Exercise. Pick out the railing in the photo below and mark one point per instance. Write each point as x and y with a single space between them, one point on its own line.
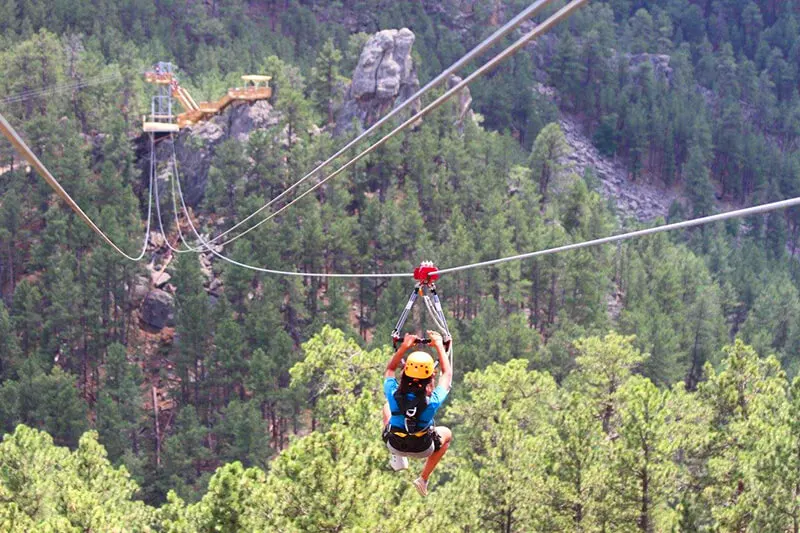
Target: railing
250 92
154 77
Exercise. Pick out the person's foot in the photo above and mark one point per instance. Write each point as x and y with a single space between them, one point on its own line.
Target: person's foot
398 462
422 486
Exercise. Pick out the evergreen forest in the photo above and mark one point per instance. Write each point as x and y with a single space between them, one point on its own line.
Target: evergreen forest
649 385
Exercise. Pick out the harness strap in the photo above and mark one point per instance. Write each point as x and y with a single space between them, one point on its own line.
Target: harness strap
404 435
404 315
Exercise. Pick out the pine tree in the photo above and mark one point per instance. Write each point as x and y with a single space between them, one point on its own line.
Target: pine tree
26 316
226 177
227 367
546 158
580 475
325 78
119 405
744 391
49 401
499 441
242 434
193 326
567 70
645 473
604 365
184 453
698 184
9 348
50 488
771 325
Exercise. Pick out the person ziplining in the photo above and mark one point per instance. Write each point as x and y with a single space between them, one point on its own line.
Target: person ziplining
411 404
409 429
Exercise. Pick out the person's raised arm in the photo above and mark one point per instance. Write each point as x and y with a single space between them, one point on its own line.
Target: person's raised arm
446 376
408 341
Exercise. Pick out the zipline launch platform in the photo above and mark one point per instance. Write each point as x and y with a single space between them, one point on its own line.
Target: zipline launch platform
162 119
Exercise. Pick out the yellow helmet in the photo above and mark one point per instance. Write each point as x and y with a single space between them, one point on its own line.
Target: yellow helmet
419 365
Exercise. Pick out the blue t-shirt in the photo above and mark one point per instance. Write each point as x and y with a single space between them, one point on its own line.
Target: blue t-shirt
425 420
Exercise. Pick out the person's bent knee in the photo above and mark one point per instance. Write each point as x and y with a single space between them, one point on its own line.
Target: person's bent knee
445 435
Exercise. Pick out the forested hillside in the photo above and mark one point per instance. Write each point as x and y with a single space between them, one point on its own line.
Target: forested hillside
644 386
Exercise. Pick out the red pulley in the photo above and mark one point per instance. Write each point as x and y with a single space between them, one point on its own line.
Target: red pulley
426 272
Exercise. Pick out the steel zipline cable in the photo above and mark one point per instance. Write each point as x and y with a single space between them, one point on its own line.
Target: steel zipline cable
154 181
738 213
210 247
563 13
60 88
25 151
507 28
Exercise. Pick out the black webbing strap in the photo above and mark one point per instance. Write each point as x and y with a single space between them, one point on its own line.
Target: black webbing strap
404 316
439 311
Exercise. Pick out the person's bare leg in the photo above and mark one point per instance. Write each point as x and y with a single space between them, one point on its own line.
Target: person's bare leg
387 413
446 436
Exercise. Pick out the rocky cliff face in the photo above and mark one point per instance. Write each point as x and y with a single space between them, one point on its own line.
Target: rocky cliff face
638 199
384 77
195 146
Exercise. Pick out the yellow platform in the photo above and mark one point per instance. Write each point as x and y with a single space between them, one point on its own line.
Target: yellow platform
159 79
159 127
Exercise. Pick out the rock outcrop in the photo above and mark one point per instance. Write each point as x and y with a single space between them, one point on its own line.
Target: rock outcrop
158 310
384 77
141 287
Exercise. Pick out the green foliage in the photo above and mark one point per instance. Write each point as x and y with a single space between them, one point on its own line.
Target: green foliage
335 367
50 488
715 115
119 410
324 79
226 177
527 455
48 401
549 149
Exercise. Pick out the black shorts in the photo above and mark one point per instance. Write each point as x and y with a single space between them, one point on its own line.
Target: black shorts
413 444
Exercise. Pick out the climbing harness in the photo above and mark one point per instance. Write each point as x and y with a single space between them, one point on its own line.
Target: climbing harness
418 436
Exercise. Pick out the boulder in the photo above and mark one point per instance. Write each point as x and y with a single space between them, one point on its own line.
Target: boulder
158 309
160 279
384 77
215 286
157 239
245 119
141 287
